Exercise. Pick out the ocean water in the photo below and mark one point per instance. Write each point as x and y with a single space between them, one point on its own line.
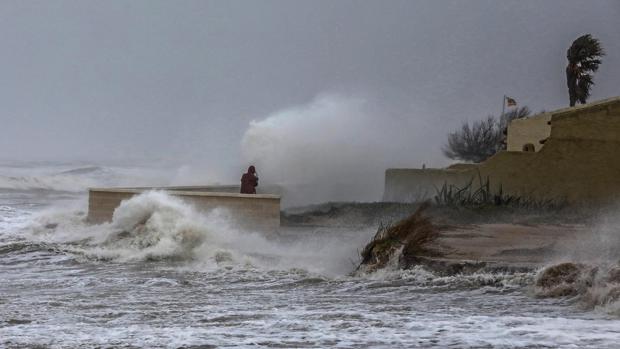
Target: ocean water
186 279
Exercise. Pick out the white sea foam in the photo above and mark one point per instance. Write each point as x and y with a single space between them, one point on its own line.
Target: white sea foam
588 268
154 226
245 289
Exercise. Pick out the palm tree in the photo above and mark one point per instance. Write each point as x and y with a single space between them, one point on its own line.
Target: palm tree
584 57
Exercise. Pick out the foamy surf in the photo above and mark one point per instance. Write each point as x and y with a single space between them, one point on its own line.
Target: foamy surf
590 286
162 275
76 179
156 226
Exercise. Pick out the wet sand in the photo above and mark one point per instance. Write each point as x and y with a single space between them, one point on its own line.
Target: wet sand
470 238
506 244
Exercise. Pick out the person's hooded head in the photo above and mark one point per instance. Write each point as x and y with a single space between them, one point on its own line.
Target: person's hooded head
252 169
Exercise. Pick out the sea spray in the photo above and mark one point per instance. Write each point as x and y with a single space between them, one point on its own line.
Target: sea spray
587 269
592 286
156 226
334 148
152 225
240 288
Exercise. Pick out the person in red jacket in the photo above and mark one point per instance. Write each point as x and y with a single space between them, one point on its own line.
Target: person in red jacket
249 181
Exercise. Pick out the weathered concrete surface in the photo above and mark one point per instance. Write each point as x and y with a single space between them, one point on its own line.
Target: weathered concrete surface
229 188
578 163
255 211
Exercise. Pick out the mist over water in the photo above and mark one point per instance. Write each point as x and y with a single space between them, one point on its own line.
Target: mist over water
587 268
601 245
335 148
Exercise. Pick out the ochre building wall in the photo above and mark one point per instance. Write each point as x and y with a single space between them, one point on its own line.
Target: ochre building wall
579 163
528 131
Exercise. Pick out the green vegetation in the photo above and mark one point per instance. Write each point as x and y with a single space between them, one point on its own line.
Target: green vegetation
480 195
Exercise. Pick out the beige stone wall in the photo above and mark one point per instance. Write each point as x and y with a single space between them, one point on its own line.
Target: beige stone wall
411 185
257 212
528 131
579 163
594 122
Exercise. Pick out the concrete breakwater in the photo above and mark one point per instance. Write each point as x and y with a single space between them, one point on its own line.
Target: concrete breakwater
251 211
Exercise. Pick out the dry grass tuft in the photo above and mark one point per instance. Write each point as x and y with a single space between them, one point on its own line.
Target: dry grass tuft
412 234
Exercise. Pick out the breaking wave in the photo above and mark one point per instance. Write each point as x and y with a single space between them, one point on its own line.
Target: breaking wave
78 179
154 226
150 226
588 270
73 180
55 183
591 286
422 276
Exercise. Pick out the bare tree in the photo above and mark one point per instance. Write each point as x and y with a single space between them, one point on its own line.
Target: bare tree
482 139
504 121
517 113
474 143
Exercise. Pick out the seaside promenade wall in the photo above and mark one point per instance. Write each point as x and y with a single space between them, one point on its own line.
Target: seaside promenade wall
579 163
251 211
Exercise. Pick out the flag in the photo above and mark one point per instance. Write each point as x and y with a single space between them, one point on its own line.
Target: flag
510 102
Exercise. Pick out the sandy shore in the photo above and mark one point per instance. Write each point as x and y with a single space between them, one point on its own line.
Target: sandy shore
508 244
496 237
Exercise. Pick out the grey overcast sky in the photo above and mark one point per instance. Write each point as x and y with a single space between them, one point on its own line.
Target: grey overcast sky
181 80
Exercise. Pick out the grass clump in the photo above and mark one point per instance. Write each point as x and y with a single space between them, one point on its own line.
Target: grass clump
481 195
408 237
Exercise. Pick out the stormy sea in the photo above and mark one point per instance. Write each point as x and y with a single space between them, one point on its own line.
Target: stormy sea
189 280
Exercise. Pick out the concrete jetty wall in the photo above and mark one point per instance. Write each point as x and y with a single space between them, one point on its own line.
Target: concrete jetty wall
255 211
